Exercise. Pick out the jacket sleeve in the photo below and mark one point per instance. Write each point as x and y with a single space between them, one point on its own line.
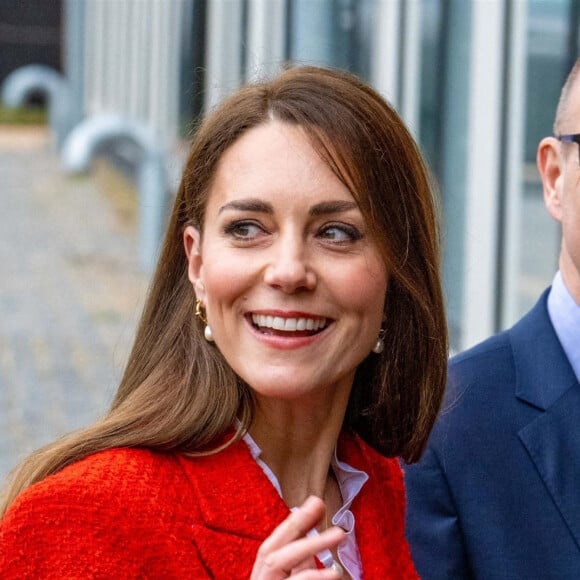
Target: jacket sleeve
47 535
433 527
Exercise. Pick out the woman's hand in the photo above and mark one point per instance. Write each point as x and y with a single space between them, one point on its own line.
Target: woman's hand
288 552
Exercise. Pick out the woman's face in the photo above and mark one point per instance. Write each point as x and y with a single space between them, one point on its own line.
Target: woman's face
293 284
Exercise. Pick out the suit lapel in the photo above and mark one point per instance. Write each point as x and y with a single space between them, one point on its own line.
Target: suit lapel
545 379
553 443
543 373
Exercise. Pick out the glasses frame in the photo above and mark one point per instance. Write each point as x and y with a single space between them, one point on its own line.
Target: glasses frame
572 138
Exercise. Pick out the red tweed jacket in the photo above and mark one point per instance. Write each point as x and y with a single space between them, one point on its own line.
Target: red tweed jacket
133 513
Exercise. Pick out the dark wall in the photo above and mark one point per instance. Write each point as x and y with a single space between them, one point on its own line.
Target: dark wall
30 33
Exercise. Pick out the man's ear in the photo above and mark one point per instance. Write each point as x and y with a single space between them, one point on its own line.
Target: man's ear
192 244
550 164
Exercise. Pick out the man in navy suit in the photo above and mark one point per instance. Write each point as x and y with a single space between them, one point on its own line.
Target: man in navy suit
497 492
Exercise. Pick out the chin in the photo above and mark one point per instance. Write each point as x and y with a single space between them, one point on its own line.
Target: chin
282 391
286 389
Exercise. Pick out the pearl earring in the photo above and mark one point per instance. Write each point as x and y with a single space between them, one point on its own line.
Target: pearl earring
380 344
200 313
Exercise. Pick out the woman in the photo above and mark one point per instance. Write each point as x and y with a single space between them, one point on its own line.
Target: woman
292 346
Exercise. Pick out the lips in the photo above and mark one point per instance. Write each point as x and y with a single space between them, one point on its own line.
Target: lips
288 326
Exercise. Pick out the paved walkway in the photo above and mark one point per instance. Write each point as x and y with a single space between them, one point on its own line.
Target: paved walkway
70 295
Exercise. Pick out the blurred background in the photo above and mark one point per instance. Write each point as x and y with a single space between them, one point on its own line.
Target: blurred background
98 98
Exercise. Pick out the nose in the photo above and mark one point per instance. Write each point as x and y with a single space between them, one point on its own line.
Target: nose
289 269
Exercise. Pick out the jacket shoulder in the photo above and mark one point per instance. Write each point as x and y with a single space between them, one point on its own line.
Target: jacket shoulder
494 357
496 348
481 372
480 392
94 517
104 482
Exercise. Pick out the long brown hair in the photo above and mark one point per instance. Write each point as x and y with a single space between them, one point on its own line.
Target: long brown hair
179 394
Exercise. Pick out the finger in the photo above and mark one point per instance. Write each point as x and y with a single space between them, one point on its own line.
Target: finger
325 574
300 553
295 525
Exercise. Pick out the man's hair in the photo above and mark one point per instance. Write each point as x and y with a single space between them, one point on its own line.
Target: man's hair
564 102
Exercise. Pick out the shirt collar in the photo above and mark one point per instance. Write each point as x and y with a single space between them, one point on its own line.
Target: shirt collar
350 480
565 317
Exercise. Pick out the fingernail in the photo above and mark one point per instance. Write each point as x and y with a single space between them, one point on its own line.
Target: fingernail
337 568
310 501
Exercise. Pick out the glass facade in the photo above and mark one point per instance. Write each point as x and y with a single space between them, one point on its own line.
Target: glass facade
476 81
547 63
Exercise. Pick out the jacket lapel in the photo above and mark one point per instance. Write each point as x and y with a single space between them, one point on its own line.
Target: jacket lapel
553 443
545 379
238 506
543 373
379 510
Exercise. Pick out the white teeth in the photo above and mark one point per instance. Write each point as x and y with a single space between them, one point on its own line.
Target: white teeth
288 324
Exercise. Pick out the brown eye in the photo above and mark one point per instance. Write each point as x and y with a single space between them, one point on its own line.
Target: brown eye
243 230
340 233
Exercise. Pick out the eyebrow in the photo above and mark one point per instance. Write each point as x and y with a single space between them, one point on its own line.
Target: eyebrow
257 205
330 207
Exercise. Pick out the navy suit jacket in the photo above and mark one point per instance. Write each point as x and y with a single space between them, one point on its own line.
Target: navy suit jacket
497 493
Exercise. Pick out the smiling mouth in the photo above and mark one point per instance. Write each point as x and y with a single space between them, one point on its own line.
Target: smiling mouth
290 327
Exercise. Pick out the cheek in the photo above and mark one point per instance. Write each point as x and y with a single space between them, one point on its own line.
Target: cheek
364 289
570 209
225 278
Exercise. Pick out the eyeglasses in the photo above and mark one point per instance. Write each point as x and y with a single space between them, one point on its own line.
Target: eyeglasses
574 138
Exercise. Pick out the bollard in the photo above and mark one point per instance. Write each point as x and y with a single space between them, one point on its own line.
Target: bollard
22 82
93 136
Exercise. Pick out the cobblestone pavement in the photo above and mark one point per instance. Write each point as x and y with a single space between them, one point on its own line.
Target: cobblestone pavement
70 295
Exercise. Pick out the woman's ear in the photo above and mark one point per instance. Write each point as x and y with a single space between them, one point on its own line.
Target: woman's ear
550 166
192 244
